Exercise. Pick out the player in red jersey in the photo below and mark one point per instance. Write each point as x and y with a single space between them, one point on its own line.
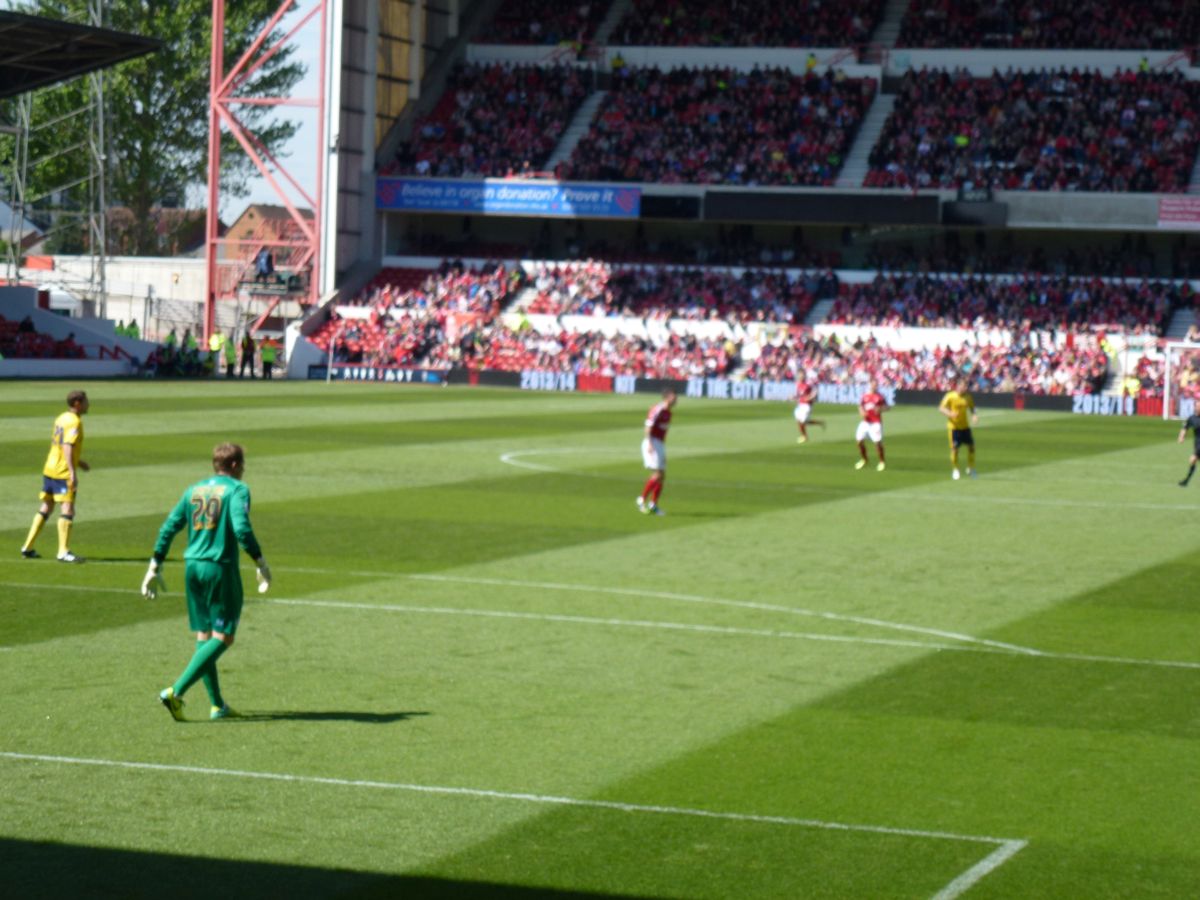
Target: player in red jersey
654 453
805 395
871 407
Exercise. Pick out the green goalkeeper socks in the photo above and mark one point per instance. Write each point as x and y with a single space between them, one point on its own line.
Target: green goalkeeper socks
212 683
207 653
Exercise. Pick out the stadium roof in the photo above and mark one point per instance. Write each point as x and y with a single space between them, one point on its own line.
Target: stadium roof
36 52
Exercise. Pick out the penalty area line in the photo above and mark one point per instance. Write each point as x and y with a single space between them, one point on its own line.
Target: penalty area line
1006 848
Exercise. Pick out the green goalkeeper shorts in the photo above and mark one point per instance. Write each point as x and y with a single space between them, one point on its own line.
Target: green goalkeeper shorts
214 596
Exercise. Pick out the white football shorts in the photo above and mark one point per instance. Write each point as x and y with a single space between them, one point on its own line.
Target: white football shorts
654 453
872 430
803 411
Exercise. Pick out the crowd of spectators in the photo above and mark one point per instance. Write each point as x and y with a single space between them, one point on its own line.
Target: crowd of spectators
748 23
677 356
545 22
597 288
22 340
1021 303
450 317
571 287
493 120
719 126
1185 375
1077 368
1044 130
1148 377
1066 24
414 313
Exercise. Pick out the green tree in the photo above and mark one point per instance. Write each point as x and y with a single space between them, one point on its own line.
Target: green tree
157 109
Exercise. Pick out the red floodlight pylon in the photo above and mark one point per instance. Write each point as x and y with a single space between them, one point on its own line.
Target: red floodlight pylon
303 246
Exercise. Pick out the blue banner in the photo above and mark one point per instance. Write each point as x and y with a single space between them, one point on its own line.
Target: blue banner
502 197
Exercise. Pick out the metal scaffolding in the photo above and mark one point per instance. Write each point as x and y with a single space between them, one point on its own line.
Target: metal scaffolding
227 261
79 203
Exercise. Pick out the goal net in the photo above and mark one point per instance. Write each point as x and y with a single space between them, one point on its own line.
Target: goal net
1180 364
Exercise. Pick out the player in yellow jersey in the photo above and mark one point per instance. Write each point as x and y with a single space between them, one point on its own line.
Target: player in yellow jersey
958 406
60 478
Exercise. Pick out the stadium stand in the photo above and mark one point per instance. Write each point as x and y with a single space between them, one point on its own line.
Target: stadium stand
596 288
1185 378
1062 24
719 126
1019 367
544 22
748 23
413 313
1022 302
20 340
1028 315
1128 259
1035 334
733 246
493 120
677 356
1062 130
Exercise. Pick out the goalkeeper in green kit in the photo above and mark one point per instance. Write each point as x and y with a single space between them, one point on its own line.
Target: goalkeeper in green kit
216 513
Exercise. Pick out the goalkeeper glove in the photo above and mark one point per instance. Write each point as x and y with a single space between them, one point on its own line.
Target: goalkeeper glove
262 575
153 582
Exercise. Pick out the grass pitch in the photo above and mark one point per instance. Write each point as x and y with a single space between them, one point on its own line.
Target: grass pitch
480 673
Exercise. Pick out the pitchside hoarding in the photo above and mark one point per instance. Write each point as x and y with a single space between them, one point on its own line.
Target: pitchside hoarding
725 389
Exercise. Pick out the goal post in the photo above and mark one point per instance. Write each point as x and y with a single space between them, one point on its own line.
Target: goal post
1180 379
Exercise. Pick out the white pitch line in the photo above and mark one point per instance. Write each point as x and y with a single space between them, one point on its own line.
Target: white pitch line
1002 650
1006 847
739 604
512 458
616 623
977 872
662 595
730 630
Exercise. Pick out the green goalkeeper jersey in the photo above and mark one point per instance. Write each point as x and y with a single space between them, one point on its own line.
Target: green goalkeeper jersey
216 513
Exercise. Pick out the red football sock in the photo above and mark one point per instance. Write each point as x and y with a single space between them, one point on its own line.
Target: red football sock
862 449
657 491
650 482
879 447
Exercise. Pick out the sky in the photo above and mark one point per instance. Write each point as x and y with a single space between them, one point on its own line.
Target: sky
300 155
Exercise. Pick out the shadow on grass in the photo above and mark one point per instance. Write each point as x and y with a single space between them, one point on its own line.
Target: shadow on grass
368 718
143 558
50 871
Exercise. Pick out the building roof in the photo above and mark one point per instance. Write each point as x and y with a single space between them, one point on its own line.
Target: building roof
36 52
6 222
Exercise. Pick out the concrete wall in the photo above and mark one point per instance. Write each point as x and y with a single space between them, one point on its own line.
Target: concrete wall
984 62
63 368
1030 209
898 61
739 58
176 278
